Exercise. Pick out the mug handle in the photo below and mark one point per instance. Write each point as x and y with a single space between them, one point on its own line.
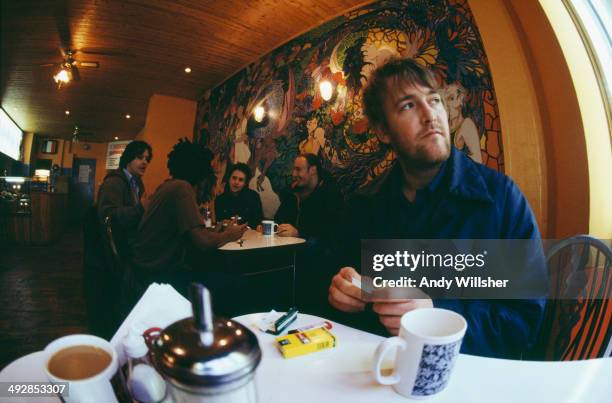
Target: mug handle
381 350
274 228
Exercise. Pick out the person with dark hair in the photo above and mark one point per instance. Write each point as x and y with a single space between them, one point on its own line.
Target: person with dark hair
238 199
172 223
435 191
121 194
121 198
312 210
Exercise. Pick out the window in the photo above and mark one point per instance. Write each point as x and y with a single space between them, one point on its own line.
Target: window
10 136
594 21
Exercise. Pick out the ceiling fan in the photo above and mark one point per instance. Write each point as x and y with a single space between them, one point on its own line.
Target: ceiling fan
68 68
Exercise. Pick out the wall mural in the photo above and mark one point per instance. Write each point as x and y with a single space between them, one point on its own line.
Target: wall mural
439 34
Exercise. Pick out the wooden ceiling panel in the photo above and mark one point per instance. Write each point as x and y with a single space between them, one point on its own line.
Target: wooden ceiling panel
142 47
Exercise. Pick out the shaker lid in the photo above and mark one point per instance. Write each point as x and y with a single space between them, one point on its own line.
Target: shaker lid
198 351
134 344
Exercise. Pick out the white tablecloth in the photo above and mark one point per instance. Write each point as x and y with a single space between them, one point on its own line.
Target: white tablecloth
343 374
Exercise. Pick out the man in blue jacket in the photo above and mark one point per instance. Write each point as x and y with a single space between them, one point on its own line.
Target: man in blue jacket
435 191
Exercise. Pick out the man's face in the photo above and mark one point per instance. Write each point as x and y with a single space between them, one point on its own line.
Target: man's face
237 181
302 175
417 124
138 165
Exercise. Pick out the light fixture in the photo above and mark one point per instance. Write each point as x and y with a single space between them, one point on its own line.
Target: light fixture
259 113
43 173
64 75
326 90
128 116
187 69
67 112
75 135
116 138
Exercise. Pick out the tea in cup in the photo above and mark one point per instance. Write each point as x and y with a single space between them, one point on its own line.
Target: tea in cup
87 363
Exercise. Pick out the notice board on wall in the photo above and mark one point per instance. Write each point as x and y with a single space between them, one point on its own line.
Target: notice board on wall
113 153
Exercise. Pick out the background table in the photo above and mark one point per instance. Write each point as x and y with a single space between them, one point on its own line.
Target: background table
267 266
256 240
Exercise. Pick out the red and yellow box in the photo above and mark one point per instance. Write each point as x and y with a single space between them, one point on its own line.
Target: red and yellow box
306 342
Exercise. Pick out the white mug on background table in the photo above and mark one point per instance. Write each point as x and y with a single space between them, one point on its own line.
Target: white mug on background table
269 227
427 346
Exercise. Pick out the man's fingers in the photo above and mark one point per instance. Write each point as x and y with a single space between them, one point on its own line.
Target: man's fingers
390 321
389 300
346 286
393 308
349 273
344 302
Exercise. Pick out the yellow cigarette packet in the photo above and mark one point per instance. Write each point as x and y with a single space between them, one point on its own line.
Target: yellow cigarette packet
306 342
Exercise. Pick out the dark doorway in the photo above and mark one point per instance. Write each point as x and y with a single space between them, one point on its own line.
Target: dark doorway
42 163
82 186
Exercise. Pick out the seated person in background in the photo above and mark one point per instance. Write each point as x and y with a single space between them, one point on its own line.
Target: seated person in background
238 199
121 195
435 191
172 223
312 211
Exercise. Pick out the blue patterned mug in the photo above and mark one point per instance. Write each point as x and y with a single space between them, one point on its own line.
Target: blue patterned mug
427 346
269 227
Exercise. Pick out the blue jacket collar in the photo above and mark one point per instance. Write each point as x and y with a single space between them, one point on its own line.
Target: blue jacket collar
459 176
466 180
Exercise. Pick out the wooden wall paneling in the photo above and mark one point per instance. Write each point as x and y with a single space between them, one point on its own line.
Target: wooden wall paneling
145 45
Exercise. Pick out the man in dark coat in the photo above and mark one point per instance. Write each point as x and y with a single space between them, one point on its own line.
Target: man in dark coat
120 197
121 194
312 211
434 191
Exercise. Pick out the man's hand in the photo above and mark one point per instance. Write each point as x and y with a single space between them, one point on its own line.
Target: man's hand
390 311
343 295
234 232
259 228
287 230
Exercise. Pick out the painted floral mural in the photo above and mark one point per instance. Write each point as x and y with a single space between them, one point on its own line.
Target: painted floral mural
439 34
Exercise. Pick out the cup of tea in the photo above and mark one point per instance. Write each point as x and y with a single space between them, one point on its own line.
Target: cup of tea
87 363
426 348
269 227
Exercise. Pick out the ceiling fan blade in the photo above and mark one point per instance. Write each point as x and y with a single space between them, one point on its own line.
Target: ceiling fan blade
88 65
106 52
23 65
62 23
76 76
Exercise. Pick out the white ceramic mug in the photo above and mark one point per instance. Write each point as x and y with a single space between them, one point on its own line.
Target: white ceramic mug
97 388
427 346
269 227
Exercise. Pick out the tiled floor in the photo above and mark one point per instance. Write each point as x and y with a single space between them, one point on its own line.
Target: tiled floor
41 295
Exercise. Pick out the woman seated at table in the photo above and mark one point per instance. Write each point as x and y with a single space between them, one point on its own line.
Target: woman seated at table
238 199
